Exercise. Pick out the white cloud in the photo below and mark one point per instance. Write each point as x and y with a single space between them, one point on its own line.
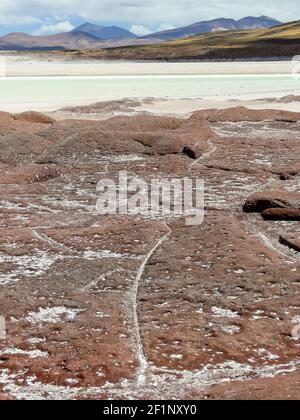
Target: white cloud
140 30
145 13
56 28
165 27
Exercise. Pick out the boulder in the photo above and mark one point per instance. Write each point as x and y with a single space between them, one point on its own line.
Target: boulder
262 201
190 140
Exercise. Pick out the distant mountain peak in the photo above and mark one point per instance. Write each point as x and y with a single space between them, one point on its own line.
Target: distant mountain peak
104 32
87 25
267 17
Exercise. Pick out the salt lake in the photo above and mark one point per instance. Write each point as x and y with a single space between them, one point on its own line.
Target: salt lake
49 93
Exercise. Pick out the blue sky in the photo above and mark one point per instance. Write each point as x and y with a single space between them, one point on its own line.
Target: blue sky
141 16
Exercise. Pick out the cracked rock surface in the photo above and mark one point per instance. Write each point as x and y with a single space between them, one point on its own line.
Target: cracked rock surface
125 307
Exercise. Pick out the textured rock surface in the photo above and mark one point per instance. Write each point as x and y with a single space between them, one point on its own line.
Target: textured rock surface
141 307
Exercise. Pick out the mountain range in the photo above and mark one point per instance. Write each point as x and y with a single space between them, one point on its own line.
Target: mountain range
279 42
215 25
91 36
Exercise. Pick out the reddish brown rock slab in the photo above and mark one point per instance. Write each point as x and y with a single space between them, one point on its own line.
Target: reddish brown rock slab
5 397
34 117
271 199
258 147
288 99
142 123
137 124
90 141
221 299
106 137
19 148
191 140
6 116
30 173
8 125
86 297
291 240
280 388
124 105
245 114
288 214
77 326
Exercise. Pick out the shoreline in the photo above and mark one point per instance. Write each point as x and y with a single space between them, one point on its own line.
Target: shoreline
172 107
178 108
33 66
146 76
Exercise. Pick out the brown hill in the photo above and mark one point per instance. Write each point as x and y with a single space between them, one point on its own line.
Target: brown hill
64 41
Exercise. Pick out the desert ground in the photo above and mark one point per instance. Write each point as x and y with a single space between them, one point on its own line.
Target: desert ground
146 307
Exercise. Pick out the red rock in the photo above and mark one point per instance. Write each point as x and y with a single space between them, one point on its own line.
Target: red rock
190 140
5 116
11 126
34 117
240 114
92 141
30 174
291 240
289 214
270 389
21 147
124 105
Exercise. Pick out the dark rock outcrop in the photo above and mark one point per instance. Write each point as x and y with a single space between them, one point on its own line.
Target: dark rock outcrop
271 199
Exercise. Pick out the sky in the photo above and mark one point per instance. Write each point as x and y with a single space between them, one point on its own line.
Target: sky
42 17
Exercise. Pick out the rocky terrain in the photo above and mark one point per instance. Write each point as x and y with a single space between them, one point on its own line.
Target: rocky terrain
125 307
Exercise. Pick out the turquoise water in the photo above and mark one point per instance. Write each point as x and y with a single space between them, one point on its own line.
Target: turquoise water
91 89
